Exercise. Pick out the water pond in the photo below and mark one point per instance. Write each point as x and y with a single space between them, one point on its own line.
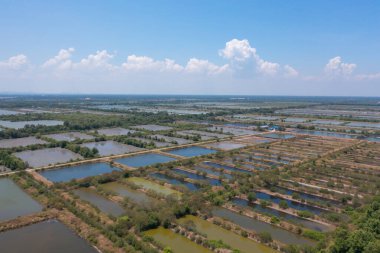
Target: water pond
226 145
20 142
215 232
278 136
105 205
22 124
114 131
153 127
144 160
14 202
191 151
66 174
149 185
211 181
174 181
47 156
44 237
107 148
176 242
225 167
277 233
71 136
124 191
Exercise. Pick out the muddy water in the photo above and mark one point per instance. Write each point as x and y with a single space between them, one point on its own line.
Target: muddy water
149 185
124 191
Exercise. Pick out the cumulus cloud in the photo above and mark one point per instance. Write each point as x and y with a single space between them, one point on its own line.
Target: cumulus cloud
336 67
98 60
144 63
195 65
61 60
14 62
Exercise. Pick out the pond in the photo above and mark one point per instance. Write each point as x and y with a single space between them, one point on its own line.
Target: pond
225 167
149 185
288 217
215 232
44 237
171 140
211 181
257 226
47 156
115 131
176 242
124 191
153 127
295 120
174 181
107 148
278 136
14 202
71 136
364 124
20 142
226 145
22 124
212 172
8 112
144 160
191 151
328 122
323 133
105 205
65 174
291 204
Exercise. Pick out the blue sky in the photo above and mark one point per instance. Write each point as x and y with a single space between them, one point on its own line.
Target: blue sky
214 47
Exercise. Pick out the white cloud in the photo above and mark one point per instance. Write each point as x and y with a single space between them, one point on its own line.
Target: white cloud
195 65
98 60
335 67
144 63
238 50
289 71
14 62
61 60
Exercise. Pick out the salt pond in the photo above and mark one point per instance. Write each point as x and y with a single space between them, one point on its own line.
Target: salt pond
144 160
44 237
65 174
15 202
47 156
191 151
20 142
107 148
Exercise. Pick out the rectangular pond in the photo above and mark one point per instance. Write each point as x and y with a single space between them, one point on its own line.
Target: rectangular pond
44 237
191 151
153 127
14 202
107 148
22 124
65 174
212 172
20 142
105 205
324 133
278 136
47 156
288 217
177 243
225 167
174 181
144 160
257 226
215 232
71 136
115 131
149 185
211 181
124 191
226 145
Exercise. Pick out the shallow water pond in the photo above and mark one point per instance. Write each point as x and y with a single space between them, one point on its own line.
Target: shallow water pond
149 185
124 191
144 160
15 202
22 124
65 174
20 142
192 151
44 237
107 148
47 156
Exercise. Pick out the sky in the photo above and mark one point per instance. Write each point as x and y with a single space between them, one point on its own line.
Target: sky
245 47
